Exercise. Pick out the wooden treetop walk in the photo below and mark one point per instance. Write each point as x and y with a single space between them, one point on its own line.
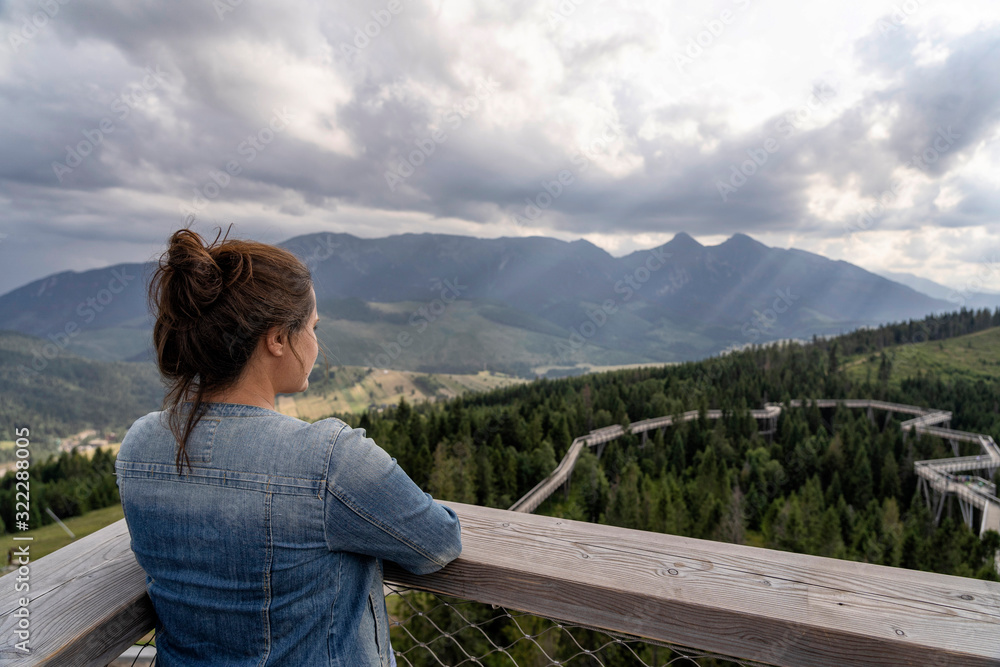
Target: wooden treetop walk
936 475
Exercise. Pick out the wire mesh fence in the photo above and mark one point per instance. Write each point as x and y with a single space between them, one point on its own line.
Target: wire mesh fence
430 630
140 654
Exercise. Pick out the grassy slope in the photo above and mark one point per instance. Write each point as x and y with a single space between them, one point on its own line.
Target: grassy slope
353 389
51 537
972 356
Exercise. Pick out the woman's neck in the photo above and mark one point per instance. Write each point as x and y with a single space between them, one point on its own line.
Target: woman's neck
241 396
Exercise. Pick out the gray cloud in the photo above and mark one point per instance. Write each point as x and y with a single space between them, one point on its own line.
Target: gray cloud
401 86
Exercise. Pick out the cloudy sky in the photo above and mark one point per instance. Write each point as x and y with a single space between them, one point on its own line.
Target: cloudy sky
863 130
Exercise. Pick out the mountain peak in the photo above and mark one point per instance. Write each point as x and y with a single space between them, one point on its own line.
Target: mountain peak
742 240
741 244
684 241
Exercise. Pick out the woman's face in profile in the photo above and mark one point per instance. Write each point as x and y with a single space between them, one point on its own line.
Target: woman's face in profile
307 345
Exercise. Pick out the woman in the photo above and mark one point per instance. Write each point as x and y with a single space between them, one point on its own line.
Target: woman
262 536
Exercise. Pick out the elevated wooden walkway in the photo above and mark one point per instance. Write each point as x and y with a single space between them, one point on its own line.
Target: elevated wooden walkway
937 478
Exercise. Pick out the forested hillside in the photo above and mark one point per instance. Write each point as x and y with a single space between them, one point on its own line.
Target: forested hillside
829 484
57 393
69 484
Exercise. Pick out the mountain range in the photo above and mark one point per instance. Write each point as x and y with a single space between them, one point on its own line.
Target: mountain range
958 297
509 303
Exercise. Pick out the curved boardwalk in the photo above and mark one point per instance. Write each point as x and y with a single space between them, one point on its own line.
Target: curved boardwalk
938 478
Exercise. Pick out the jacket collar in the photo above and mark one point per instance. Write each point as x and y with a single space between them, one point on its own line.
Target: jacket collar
229 409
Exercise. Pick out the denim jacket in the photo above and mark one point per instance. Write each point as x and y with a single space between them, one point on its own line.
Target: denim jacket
269 552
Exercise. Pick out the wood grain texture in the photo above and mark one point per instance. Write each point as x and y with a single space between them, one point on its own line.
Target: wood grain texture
774 607
88 600
87 603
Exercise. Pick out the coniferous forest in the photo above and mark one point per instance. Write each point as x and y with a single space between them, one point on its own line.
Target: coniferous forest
828 482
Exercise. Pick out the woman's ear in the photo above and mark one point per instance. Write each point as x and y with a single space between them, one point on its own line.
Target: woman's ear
275 341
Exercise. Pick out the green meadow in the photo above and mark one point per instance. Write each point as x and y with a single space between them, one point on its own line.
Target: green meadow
970 357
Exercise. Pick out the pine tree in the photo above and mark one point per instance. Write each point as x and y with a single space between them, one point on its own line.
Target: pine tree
625 501
678 463
890 485
860 477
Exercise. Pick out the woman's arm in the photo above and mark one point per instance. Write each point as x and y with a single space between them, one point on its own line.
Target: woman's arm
374 508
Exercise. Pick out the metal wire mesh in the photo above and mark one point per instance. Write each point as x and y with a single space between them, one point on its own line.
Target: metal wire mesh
140 654
430 630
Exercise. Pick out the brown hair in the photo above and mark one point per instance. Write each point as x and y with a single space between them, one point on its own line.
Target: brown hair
212 305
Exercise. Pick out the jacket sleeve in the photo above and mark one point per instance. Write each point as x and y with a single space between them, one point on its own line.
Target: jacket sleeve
373 507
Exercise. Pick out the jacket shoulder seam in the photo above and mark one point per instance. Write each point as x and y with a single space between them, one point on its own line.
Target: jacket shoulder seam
326 475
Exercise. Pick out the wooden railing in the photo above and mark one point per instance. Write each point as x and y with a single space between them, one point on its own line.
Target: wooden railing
87 602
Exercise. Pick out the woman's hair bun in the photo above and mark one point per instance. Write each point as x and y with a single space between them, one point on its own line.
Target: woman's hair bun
234 261
195 278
